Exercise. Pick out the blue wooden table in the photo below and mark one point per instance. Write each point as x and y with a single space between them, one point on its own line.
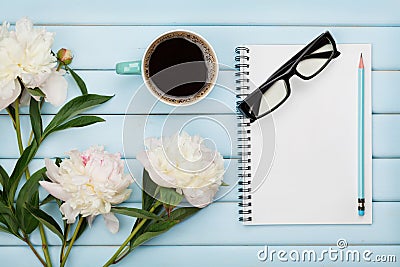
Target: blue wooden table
102 33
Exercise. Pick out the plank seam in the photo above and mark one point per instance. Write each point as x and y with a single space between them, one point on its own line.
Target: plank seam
210 24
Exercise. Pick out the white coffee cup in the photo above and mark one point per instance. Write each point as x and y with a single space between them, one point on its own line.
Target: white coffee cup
178 67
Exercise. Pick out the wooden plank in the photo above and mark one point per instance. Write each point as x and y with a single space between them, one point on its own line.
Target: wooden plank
178 12
386 92
135 168
124 43
386 181
218 224
223 241
122 133
200 256
385 135
132 98
386 129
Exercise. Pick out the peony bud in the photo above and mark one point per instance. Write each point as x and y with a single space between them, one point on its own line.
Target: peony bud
65 56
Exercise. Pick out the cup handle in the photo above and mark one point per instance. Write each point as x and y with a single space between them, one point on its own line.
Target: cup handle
130 67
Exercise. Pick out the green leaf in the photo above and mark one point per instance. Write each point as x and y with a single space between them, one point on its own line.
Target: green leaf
145 225
152 231
170 197
10 221
78 81
29 194
36 92
5 229
81 121
4 178
46 220
31 186
30 223
36 119
73 108
224 184
143 238
11 111
161 226
183 213
137 213
47 199
9 225
148 192
4 209
19 169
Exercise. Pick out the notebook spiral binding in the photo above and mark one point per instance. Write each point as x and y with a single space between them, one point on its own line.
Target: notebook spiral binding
244 135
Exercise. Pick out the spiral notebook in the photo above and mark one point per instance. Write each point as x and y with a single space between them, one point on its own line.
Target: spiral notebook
299 164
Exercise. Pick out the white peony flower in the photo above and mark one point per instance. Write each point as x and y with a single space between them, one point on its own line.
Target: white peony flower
4 30
33 50
89 183
183 162
55 87
9 86
26 53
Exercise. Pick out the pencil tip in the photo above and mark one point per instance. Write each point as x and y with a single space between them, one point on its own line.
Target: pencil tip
361 64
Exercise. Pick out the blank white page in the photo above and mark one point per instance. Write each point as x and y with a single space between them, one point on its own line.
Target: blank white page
313 176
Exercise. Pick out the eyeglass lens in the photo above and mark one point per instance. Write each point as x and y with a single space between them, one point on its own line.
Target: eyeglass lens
272 97
315 60
267 99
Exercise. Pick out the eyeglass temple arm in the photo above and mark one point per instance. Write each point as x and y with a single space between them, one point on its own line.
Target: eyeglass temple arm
316 43
295 57
326 54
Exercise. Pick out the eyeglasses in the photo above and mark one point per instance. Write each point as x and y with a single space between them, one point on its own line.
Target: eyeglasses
306 64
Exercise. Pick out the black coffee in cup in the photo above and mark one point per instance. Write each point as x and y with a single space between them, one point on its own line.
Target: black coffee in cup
180 67
167 57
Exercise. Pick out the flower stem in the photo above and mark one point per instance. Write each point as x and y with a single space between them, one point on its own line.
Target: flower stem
18 127
113 259
123 254
27 241
19 136
64 260
45 248
27 174
64 243
59 66
116 254
30 138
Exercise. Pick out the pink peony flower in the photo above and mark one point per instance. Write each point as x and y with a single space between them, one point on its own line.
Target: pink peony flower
89 183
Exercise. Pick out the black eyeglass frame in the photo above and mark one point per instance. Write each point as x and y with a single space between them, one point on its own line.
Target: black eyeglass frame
287 70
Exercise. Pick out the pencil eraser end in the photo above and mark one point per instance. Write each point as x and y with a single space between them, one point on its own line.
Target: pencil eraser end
361 212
